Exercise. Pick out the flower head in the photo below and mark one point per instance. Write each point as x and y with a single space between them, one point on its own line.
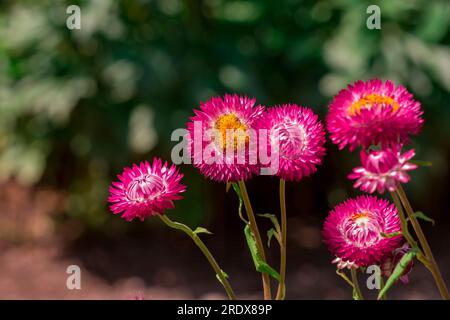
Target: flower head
355 231
373 112
145 190
382 169
220 136
297 137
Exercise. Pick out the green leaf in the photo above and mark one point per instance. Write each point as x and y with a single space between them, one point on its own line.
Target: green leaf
390 235
260 265
422 163
202 230
270 234
398 271
237 190
241 200
274 220
423 216
263 267
228 186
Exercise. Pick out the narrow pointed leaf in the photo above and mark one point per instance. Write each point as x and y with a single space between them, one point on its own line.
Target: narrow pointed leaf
423 216
422 163
202 230
398 271
241 200
272 218
390 235
260 265
270 234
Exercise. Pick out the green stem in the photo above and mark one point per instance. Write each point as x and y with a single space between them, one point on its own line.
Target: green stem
282 284
404 224
405 231
254 228
384 297
220 274
433 267
356 284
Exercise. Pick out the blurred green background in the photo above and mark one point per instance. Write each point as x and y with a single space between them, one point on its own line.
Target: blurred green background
78 105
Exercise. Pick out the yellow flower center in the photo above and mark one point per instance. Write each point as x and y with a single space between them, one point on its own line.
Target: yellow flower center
238 130
360 218
370 101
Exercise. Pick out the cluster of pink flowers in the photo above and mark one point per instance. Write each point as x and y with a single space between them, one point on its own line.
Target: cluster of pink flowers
295 138
378 117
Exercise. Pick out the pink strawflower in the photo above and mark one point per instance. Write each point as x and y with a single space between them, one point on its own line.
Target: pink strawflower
145 190
373 112
212 155
354 230
382 169
300 140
